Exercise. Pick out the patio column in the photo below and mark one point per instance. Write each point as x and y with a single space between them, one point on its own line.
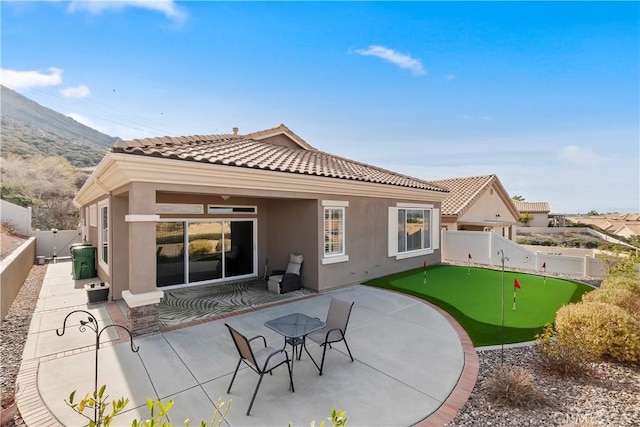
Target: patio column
142 297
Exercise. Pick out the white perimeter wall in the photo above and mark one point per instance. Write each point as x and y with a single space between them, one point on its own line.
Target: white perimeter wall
17 216
485 248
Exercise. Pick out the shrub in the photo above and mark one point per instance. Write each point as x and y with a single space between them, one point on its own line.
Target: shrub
622 281
561 354
200 247
513 386
620 263
618 296
601 329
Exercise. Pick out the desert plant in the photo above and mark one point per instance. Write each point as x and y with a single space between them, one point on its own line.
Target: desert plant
159 418
513 386
200 247
622 281
338 418
98 402
620 263
561 354
106 411
603 330
618 296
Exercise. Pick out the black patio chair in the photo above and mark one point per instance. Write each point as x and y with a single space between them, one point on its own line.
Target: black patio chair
281 281
262 361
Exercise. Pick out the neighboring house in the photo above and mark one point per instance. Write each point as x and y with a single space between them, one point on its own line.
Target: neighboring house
539 211
628 230
623 225
172 212
478 203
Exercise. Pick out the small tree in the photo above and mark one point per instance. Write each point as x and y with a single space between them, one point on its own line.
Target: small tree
525 219
518 198
48 184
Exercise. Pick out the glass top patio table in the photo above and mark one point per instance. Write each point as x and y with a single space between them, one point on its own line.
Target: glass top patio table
296 325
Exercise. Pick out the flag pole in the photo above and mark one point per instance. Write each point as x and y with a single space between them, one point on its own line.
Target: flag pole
502 257
425 272
514 298
469 265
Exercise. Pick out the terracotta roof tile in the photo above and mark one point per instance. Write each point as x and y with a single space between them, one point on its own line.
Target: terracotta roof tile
240 151
463 192
540 207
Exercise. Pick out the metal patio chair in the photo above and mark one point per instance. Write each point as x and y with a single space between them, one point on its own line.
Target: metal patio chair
335 329
262 361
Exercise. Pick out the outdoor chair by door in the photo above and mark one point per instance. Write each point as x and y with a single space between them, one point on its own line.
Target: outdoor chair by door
262 361
281 281
335 329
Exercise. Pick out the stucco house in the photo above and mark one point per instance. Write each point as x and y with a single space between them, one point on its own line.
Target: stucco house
478 203
172 212
538 210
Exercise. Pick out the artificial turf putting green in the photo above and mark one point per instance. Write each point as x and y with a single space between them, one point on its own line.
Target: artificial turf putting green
473 297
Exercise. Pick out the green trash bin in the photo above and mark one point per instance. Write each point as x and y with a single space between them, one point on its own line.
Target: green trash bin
83 262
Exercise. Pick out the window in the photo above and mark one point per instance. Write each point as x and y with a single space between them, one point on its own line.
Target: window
334 231
103 233
413 230
206 251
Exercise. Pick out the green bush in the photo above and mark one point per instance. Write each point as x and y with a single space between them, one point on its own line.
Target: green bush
562 354
601 329
618 296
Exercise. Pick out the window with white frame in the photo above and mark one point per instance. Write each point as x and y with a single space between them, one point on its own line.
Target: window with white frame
334 231
103 233
414 230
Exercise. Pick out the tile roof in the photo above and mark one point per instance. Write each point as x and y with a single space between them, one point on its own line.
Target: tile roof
535 207
245 151
463 192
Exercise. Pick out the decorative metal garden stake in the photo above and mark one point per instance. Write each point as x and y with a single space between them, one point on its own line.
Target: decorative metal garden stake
502 258
92 324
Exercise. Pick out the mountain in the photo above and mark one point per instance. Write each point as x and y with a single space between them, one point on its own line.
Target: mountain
30 129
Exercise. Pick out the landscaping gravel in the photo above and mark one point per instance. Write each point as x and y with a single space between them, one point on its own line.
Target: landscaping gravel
609 397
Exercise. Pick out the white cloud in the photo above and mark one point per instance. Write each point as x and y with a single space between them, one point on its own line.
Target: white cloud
578 155
390 55
81 91
26 79
95 7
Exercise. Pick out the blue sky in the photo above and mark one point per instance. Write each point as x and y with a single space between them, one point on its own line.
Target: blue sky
546 95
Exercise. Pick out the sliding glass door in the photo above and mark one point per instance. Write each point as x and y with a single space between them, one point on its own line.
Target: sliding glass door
216 250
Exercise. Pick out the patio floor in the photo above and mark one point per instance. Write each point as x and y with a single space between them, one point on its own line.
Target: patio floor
413 365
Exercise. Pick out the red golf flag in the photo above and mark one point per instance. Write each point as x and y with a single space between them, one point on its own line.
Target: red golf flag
516 284
469 256
544 265
425 264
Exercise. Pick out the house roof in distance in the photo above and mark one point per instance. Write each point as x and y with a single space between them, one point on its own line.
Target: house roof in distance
463 192
532 207
266 150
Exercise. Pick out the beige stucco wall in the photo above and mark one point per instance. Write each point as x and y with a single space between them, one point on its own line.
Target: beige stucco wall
366 229
287 222
292 228
487 206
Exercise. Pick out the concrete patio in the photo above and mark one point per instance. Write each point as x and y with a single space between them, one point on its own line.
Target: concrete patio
413 363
